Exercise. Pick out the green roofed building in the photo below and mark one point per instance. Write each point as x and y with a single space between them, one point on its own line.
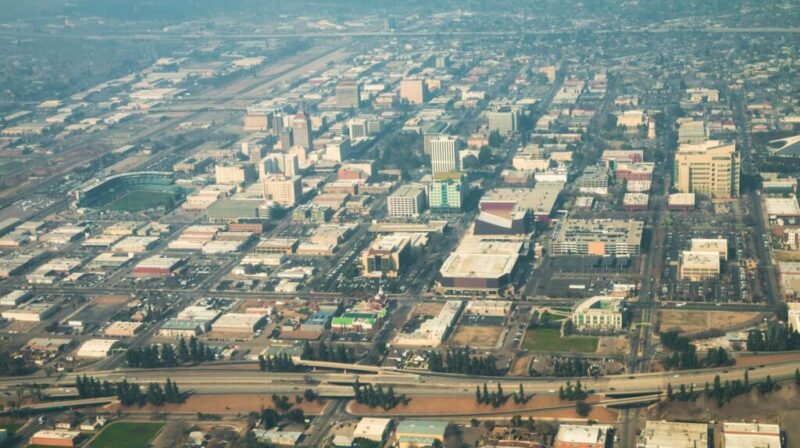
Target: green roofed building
418 433
358 322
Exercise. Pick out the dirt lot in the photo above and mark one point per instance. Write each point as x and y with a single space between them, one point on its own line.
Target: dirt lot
476 336
228 404
695 321
753 406
111 300
520 367
755 360
427 309
538 406
610 346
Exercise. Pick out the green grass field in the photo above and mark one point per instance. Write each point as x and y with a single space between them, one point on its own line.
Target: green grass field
126 435
11 427
549 340
136 201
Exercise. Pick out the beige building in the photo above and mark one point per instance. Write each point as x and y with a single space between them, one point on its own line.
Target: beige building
283 190
408 201
664 434
698 266
598 314
709 168
235 174
719 245
413 90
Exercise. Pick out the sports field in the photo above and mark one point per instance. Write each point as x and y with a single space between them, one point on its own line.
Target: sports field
126 435
550 340
136 201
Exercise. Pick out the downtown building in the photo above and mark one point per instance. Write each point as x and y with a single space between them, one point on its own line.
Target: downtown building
710 168
446 193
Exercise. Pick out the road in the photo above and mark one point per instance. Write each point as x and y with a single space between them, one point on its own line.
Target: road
246 378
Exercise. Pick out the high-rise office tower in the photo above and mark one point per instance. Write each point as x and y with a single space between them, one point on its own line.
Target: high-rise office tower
301 124
287 139
710 168
414 91
444 154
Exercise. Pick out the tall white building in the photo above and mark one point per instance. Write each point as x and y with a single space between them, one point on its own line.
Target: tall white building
444 154
408 201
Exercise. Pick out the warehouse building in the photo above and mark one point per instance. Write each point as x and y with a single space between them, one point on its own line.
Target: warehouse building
31 312
583 436
16 297
54 437
419 433
238 323
375 429
749 435
122 329
97 348
664 434
157 266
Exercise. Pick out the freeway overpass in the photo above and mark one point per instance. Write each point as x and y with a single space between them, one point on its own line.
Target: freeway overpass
216 379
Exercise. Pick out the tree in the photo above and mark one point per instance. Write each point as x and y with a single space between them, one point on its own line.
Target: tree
583 408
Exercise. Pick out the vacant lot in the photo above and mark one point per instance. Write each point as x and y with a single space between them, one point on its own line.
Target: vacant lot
475 336
233 403
549 340
427 309
693 321
126 435
111 300
544 406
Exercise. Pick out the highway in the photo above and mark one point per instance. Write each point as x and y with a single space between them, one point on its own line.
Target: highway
245 378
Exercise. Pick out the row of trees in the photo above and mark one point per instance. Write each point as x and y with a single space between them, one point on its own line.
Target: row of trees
277 363
130 394
723 393
91 387
570 367
459 360
572 392
498 398
776 338
339 353
684 353
167 355
377 396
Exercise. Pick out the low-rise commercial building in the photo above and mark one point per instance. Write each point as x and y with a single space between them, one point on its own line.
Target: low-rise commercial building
371 428
749 435
664 434
97 348
719 245
698 266
54 437
419 433
582 436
